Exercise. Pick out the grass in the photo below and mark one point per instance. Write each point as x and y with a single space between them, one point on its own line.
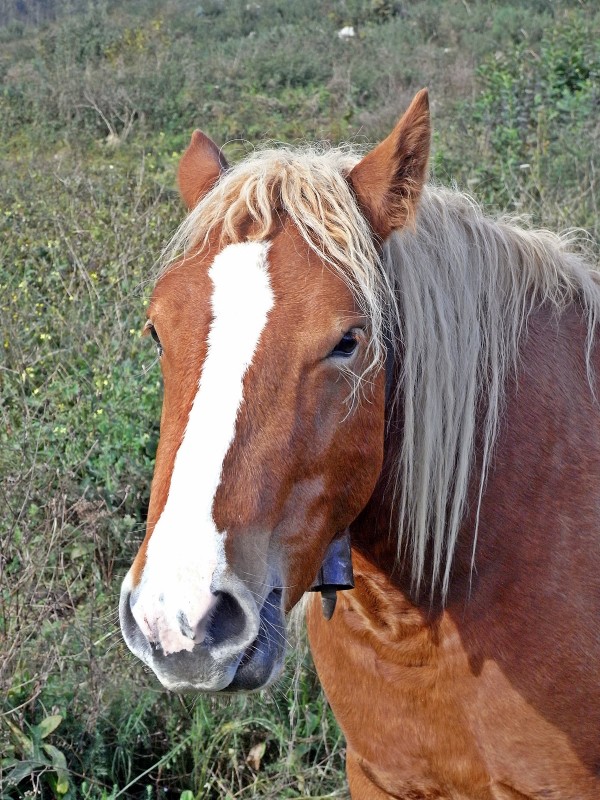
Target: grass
97 102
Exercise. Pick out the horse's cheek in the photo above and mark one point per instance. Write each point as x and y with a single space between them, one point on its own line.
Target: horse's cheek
360 461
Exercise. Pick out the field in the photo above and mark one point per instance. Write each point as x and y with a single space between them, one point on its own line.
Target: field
97 102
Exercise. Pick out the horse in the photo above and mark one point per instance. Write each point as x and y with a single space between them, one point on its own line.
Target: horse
363 369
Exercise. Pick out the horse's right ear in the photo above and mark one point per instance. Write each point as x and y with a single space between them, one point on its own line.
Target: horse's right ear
199 169
388 181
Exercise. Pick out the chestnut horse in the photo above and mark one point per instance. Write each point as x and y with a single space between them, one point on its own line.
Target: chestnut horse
350 354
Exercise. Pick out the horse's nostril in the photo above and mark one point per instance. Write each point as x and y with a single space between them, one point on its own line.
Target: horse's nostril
227 620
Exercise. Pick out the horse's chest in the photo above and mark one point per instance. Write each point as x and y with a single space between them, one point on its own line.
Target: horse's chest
421 724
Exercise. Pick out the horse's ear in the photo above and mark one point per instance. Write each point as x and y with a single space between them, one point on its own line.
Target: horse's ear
199 169
388 181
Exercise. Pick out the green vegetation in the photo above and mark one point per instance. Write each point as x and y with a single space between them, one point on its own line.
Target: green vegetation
97 101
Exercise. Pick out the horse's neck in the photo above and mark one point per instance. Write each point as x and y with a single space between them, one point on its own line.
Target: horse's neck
377 562
548 446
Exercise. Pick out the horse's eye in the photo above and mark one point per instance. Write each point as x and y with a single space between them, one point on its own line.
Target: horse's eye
154 335
346 345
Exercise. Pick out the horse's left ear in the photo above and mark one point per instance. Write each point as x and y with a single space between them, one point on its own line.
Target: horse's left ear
199 169
388 181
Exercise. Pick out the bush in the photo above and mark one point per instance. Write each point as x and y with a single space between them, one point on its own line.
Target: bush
529 138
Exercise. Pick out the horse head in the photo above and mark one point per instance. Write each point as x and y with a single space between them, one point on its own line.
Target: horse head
271 331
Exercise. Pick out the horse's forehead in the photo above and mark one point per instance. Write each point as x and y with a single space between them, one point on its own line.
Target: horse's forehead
181 290
303 284
299 272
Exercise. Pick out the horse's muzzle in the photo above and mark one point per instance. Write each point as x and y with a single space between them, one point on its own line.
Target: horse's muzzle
241 646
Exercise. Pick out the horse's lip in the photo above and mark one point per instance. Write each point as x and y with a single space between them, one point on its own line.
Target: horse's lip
270 607
263 658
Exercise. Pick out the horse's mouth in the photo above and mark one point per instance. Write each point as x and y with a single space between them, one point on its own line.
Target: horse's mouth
262 660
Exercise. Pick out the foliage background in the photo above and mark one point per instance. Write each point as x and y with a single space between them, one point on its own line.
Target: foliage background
97 102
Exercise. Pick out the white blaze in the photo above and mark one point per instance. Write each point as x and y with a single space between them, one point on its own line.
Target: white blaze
186 549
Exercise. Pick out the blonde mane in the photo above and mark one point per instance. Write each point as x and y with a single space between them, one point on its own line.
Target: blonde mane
454 296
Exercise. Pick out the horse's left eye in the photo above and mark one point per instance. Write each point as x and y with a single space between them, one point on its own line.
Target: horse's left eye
154 335
346 345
